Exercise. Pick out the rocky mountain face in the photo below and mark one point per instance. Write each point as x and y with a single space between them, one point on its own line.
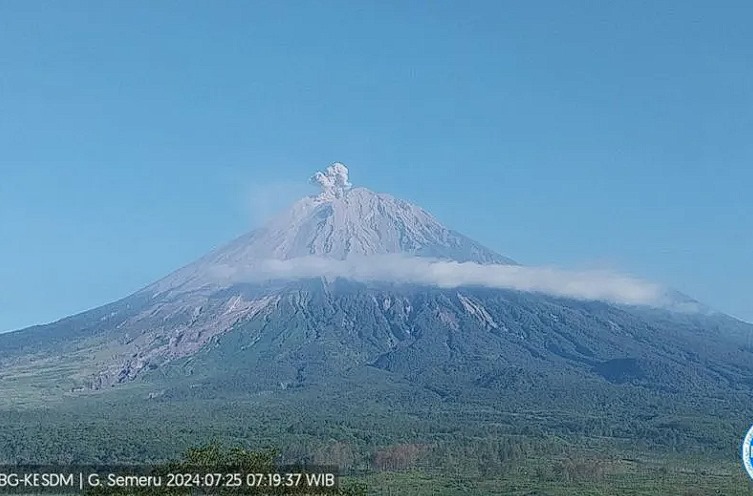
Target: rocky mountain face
200 331
339 223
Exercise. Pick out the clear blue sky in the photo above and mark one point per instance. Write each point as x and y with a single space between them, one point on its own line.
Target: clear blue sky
135 136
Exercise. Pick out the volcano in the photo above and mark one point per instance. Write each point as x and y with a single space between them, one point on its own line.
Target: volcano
350 289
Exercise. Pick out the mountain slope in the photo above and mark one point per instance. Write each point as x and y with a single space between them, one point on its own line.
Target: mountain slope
355 222
472 338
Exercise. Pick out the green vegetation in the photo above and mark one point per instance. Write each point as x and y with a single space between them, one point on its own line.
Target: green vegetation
459 449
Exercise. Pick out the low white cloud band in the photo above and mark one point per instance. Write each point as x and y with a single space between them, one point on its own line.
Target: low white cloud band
586 285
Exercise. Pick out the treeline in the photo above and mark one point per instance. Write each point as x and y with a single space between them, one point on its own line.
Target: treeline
398 444
480 457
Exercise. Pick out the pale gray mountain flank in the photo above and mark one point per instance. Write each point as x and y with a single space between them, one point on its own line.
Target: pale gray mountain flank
339 223
360 222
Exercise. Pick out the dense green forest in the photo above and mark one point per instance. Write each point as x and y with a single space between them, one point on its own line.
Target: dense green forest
459 449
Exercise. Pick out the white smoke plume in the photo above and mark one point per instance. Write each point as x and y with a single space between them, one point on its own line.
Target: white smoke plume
584 285
333 181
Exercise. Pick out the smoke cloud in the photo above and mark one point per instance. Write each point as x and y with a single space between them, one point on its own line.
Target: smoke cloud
333 181
584 285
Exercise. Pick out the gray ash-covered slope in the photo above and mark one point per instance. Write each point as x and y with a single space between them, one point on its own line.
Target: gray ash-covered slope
340 222
357 222
200 332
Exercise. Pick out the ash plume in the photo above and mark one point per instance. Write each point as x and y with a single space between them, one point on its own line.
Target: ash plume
333 180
